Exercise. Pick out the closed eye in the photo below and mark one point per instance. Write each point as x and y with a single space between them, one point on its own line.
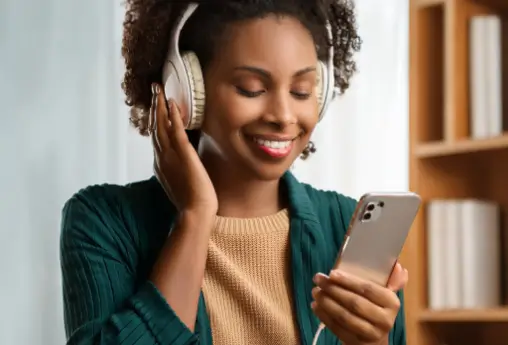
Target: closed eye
301 95
253 94
247 93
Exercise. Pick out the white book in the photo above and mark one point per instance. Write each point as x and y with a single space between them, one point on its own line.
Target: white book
453 288
436 250
479 127
480 256
493 74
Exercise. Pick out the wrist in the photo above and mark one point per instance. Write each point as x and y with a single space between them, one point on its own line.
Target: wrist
198 218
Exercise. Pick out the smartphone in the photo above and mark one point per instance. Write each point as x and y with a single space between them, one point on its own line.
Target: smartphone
376 235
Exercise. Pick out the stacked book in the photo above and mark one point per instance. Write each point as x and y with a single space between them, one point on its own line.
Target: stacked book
486 77
463 252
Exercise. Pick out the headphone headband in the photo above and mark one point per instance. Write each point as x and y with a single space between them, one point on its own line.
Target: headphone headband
330 93
175 76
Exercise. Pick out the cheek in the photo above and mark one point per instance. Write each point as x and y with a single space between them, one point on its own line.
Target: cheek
222 120
239 111
227 112
309 117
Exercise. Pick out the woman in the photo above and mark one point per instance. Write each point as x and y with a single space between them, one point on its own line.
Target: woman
238 253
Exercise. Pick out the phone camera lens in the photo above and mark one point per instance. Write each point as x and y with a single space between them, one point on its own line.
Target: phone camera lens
371 207
381 203
366 216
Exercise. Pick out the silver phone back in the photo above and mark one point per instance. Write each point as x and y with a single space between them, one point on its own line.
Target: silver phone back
376 235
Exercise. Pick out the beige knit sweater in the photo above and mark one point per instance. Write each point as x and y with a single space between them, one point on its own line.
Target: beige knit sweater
247 282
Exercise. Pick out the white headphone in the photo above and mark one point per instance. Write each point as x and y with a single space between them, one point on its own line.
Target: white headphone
183 78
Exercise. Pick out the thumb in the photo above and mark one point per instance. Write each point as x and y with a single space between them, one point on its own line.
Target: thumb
398 278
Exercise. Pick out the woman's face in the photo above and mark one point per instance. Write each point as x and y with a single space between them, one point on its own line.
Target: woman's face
261 104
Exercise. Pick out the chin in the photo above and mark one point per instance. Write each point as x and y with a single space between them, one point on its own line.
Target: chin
269 173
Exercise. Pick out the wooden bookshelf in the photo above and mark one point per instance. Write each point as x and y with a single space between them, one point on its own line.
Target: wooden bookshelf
499 5
484 315
446 163
463 146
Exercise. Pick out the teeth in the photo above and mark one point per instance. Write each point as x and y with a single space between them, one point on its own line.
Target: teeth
273 144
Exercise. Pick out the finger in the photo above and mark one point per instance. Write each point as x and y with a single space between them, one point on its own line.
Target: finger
179 138
398 278
162 181
161 120
339 331
336 317
355 304
375 293
175 116
151 120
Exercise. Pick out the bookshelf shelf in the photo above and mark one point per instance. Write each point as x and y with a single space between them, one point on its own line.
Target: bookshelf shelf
501 5
427 3
466 315
464 146
448 162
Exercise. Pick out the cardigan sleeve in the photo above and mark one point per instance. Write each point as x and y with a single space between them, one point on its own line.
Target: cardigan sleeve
398 333
104 303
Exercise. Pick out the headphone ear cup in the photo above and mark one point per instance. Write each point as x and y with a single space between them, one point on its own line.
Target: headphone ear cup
321 86
197 87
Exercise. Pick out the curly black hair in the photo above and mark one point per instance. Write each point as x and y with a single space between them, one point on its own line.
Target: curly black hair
148 24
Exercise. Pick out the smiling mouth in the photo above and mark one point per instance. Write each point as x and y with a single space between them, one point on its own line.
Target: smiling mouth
274 144
274 148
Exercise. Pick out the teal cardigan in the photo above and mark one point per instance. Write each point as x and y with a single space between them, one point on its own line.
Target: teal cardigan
110 238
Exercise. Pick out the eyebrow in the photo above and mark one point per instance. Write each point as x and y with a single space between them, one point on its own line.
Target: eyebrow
266 74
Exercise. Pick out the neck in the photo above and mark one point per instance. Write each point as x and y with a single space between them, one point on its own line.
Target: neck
239 195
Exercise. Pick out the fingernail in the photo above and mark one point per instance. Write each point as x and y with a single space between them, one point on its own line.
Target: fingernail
155 88
313 305
319 278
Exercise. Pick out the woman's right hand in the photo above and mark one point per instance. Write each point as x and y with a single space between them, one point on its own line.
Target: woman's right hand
177 165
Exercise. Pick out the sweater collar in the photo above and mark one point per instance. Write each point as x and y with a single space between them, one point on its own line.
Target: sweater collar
300 204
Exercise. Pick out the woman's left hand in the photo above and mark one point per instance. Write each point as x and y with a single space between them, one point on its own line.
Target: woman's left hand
357 311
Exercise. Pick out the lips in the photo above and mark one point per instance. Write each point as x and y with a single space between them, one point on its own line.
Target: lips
274 147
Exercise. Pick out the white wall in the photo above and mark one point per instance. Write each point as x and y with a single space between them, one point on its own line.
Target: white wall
362 143
63 127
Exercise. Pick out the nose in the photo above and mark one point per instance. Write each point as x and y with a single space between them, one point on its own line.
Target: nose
280 111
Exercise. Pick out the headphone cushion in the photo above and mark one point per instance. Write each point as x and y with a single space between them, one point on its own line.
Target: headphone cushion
321 84
197 86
